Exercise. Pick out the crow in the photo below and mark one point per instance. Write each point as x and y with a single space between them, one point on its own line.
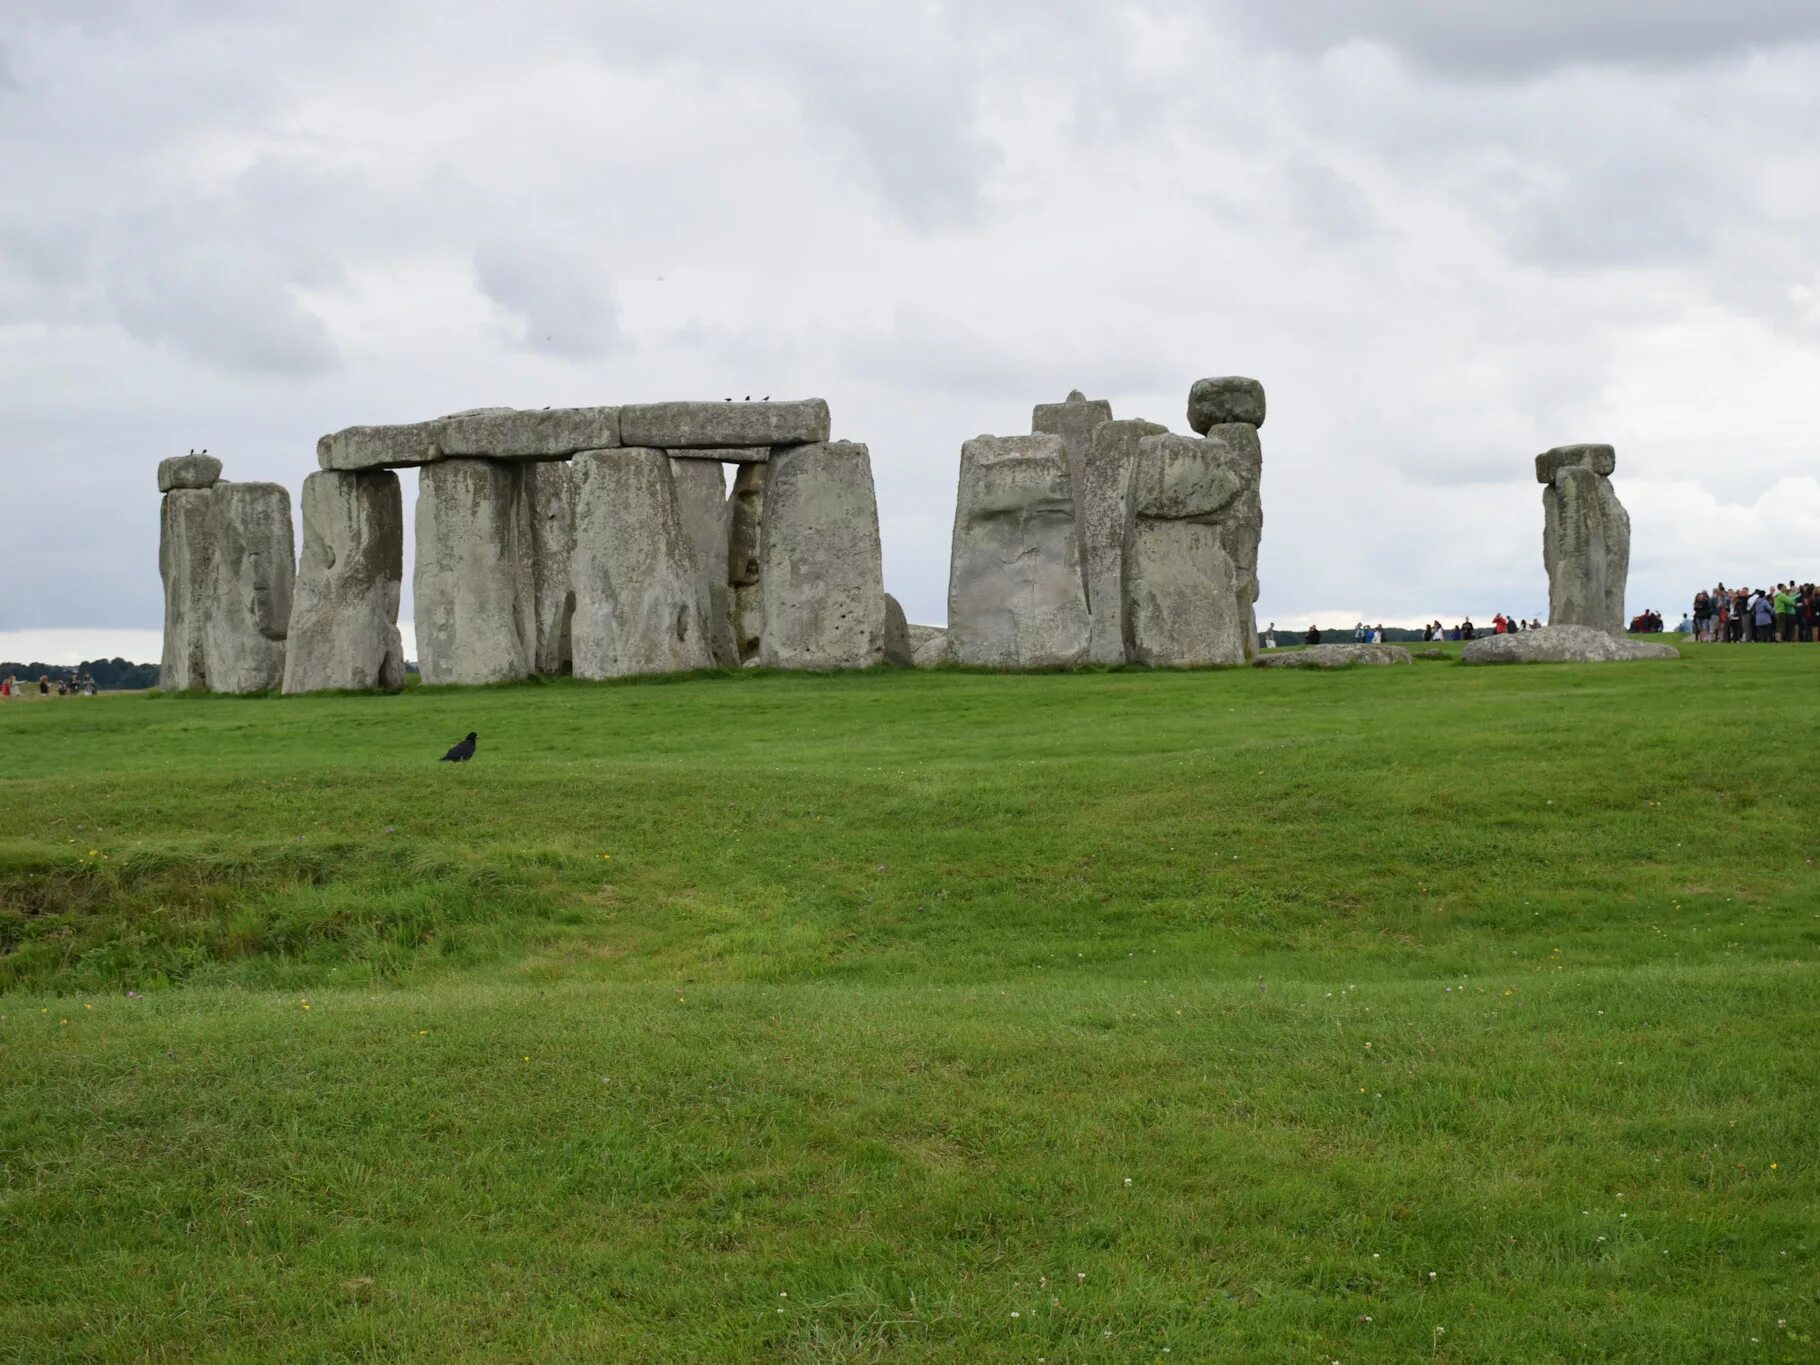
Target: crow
462 752
748 398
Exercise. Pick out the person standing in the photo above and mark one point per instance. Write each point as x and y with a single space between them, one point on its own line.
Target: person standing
1783 604
1270 636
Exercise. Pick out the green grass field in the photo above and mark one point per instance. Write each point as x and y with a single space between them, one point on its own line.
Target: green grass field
1422 1013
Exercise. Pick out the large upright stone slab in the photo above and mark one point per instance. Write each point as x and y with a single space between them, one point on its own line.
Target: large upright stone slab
1191 548
899 652
550 493
344 609
473 586
254 570
1015 593
1100 504
1074 420
495 433
745 516
713 425
186 563
637 588
701 500
820 567
1585 537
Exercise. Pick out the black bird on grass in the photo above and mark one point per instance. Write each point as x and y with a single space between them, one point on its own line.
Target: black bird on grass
462 752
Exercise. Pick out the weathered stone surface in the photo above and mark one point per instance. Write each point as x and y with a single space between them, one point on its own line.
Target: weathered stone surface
1230 398
344 610
1191 548
1015 592
1335 656
550 496
1585 540
1074 420
475 599
254 571
724 425
746 513
921 635
1561 645
186 563
638 601
1100 508
725 454
188 471
899 652
1601 459
496 433
819 565
933 650
701 501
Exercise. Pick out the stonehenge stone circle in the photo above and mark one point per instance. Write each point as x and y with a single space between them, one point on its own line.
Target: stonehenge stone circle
1335 656
1101 500
1191 546
701 500
638 598
188 471
1016 598
473 582
1562 645
1585 537
250 598
1231 398
550 494
820 568
344 608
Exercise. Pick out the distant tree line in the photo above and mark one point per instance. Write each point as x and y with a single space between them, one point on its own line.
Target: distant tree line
110 675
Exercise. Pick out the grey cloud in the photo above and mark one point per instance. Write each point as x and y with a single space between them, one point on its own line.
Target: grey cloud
561 307
220 308
1521 39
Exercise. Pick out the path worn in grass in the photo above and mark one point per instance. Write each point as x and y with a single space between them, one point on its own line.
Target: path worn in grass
863 1017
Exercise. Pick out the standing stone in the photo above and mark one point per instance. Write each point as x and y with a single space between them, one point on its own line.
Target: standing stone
473 585
819 562
344 611
1075 421
746 516
637 590
701 500
1191 548
1101 499
186 563
550 493
254 570
899 652
1015 594
1585 537
1215 402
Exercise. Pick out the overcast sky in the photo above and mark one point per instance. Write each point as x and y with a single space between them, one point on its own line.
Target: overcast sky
1444 234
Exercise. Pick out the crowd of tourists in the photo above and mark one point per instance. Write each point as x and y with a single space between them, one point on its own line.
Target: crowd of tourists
1788 613
70 686
1501 624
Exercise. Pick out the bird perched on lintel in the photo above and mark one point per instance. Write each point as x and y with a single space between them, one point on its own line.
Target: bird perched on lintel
462 752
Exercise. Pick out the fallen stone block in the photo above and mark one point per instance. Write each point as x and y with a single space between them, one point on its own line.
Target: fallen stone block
933 651
254 572
1335 656
1016 598
1553 644
343 631
724 425
638 601
188 471
473 585
820 567
1230 398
